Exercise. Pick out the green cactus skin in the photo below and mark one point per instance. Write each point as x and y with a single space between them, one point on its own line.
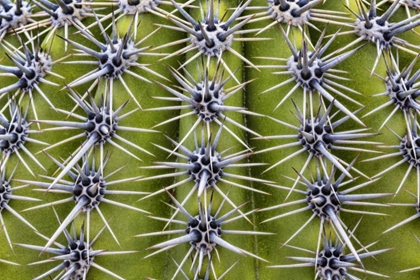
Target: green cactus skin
126 223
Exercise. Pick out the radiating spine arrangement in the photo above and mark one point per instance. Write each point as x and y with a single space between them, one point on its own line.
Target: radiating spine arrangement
171 109
331 262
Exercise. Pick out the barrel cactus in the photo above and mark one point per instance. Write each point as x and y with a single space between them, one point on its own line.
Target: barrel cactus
209 139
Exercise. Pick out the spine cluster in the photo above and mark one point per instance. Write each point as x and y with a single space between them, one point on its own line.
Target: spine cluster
177 122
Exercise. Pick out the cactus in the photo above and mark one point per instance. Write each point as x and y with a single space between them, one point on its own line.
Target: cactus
230 126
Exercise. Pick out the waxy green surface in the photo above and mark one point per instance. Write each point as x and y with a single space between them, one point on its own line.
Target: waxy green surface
127 223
